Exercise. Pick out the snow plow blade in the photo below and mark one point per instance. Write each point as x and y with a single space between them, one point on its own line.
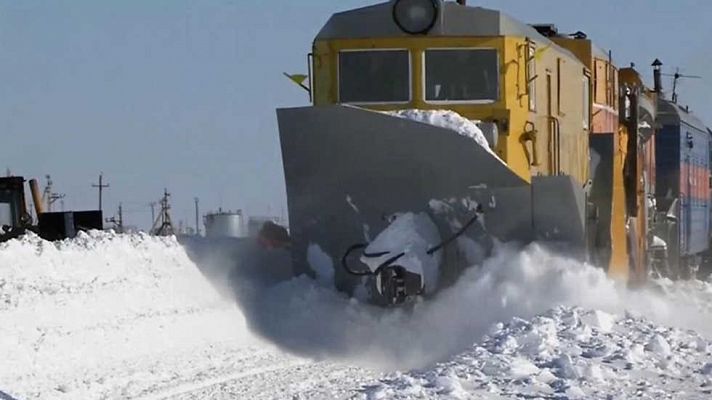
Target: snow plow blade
348 169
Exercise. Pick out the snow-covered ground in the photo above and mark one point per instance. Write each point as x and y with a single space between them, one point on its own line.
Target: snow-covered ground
567 352
131 317
106 316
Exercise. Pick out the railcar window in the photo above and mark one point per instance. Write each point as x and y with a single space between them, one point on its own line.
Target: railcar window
461 75
5 215
371 76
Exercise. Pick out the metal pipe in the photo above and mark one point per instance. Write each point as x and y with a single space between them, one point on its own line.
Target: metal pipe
657 78
36 196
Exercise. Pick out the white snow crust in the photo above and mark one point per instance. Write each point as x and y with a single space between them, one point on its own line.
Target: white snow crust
565 353
108 316
449 120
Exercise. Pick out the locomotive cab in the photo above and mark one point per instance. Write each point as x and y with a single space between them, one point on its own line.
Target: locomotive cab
524 89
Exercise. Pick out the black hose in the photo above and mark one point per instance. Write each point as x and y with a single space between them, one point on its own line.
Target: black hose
387 263
454 236
345 264
375 255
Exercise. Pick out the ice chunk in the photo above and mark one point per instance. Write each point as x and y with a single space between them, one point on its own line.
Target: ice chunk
450 385
565 367
707 369
575 392
592 373
522 368
598 319
659 346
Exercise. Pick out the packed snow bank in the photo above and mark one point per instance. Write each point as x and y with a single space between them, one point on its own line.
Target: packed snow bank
570 353
305 317
89 317
449 120
110 316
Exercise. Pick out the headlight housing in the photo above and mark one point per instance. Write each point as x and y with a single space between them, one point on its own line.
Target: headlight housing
416 16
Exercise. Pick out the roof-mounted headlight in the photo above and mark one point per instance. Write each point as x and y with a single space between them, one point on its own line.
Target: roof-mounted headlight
416 16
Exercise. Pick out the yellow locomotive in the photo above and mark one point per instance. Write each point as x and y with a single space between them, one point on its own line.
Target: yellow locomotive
398 206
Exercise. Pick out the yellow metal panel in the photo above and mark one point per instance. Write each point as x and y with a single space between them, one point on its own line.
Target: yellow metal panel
564 138
527 144
619 265
600 77
581 48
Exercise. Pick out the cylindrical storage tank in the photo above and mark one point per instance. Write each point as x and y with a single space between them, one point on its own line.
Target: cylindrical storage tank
225 224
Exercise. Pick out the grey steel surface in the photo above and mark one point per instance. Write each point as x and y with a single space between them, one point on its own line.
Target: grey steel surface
346 169
601 166
558 210
454 20
376 21
670 113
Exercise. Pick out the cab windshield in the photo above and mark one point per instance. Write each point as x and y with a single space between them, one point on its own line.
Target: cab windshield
374 76
461 75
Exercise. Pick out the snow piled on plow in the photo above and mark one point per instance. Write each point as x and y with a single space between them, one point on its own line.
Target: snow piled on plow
449 120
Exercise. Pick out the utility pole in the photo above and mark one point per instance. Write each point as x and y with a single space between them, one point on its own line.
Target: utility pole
121 218
101 187
153 210
47 193
197 218
163 226
118 223
54 197
49 196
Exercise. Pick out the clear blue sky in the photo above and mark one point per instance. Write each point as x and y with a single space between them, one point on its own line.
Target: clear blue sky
181 94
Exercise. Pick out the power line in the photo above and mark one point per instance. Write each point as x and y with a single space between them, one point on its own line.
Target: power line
101 186
677 76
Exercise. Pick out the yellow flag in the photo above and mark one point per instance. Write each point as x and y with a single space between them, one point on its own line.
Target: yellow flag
299 79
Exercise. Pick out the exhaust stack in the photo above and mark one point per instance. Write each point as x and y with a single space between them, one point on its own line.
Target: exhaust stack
657 78
36 196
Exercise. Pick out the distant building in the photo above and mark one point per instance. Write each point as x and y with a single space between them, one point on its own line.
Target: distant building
225 224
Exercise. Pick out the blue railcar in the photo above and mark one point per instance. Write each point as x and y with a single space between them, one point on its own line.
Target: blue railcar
682 186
